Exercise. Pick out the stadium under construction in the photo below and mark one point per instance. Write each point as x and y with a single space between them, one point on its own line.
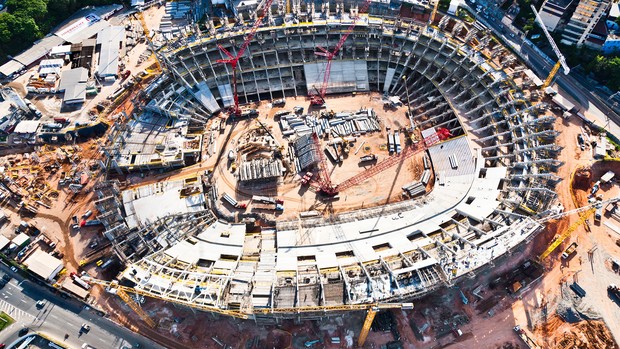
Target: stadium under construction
493 172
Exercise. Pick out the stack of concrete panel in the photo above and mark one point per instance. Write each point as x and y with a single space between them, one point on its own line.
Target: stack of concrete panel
260 169
306 152
414 189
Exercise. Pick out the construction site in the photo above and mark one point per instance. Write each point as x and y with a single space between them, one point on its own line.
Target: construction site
322 176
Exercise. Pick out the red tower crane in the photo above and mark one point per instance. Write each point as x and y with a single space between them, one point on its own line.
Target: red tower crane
319 99
234 60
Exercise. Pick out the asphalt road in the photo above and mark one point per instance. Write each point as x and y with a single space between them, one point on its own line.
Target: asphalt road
60 316
537 62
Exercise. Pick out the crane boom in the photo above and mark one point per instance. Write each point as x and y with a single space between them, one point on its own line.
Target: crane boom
234 60
561 58
319 99
577 210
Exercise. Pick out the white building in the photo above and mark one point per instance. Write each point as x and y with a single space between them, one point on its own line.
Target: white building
552 11
110 41
582 22
44 265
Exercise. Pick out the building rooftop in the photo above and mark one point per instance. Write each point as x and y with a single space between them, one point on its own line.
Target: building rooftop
150 141
27 127
73 83
110 39
43 264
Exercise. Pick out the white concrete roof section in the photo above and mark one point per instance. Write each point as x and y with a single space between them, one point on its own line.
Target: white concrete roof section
150 202
361 236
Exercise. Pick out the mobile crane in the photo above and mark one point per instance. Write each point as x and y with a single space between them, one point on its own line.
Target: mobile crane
233 61
319 98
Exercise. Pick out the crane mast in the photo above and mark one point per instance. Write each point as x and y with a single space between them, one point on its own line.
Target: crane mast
561 60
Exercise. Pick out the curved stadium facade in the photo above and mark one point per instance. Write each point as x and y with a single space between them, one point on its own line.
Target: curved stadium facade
491 177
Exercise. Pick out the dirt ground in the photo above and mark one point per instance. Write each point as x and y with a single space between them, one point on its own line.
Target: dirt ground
378 190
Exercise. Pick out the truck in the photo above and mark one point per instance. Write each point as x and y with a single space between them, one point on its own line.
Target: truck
266 199
232 202
268 207
53 125
397 146
577 289
569 250
279 102
78 280
391 147
598 214
614 292
61 120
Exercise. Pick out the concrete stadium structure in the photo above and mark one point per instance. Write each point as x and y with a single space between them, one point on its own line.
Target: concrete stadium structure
490 180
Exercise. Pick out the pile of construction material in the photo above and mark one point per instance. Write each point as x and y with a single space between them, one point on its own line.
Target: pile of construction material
258 169
414 189
305 152
338 124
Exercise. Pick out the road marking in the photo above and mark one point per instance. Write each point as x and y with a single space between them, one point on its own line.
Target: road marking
9 293
54 316
21 300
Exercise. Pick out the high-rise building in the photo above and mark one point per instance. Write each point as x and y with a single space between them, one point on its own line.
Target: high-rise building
583 21
552 11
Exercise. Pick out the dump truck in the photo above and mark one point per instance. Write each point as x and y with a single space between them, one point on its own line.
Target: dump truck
614 292
268 207
569 250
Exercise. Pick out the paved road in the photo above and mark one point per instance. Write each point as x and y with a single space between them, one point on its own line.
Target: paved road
60 316
537 62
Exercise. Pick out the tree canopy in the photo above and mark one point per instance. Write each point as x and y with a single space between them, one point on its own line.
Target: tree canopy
29 20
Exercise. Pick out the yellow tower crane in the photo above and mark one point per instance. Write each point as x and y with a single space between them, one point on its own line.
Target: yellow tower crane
587 212
371 309
140 16
434 12
557 242
561 60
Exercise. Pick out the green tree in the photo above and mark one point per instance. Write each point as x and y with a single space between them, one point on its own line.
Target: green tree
36 9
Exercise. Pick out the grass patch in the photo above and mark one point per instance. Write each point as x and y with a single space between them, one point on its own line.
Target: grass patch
5 320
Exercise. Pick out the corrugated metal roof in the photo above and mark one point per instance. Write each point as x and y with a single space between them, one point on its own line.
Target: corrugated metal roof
11 67
109 39
72 77
38 50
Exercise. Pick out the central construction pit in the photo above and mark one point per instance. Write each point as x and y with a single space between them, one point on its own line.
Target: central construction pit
380 189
